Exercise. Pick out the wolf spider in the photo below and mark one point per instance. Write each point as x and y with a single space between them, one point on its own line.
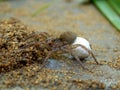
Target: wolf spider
53 45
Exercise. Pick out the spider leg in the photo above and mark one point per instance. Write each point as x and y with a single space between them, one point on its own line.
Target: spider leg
69 49
77 58
43 34
46 59
90 52
94 57
33 44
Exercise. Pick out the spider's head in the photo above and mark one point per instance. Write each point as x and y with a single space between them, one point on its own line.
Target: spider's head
68 37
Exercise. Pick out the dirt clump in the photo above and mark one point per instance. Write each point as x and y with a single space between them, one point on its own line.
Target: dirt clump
13 35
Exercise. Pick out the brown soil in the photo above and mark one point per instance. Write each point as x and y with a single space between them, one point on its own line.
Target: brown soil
20 68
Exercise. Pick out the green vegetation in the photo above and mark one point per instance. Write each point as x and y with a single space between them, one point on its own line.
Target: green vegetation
111 9
115 4
44 7
2 0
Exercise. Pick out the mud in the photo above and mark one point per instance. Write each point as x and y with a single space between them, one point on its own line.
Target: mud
62 72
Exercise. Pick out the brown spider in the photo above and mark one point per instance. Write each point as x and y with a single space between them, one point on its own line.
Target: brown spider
65 43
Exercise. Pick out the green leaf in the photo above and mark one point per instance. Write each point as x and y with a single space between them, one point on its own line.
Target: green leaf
115 4
109 12
44 7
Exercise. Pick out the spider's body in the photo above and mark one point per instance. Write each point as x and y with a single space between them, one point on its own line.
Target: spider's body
73 39
65 42
83 49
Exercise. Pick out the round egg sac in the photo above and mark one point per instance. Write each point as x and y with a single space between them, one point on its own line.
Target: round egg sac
80 51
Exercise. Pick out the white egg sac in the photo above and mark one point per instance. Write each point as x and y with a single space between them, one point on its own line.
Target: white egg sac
79 51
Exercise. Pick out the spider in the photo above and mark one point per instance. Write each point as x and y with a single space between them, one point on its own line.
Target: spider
68 42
